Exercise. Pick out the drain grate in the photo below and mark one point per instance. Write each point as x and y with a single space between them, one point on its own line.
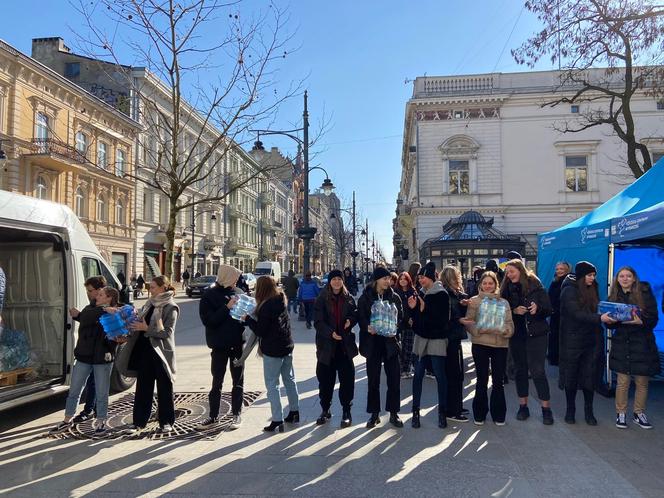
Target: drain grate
190 410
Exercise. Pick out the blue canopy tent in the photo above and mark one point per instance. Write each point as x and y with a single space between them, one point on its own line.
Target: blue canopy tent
588 238
628 229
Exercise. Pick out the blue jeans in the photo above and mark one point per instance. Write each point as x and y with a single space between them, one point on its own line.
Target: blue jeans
90 395
273 367
79 376
437 364
292 304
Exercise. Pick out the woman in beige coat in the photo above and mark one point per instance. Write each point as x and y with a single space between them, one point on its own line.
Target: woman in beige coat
489 352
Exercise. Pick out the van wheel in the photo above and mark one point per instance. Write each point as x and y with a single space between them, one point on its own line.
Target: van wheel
119 382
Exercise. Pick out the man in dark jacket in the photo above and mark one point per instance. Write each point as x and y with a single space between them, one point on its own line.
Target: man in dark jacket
291 285
224 337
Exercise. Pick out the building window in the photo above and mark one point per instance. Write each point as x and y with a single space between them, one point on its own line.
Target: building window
102 213
72 69
102 156
119 213
82 143
119 162
660 105
574 109
148 206
459 177
576 173
79 205
41 126
41 188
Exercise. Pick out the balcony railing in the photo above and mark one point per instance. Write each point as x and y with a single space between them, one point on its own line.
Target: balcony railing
53 147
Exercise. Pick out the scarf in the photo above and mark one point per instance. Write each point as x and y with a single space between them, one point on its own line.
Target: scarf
157 302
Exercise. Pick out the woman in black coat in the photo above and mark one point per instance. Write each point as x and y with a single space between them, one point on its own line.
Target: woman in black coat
580 338
405 289
530 308
335 315
380 350
633 347
561 271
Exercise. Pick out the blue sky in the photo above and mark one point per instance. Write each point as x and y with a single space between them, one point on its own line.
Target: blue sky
355 56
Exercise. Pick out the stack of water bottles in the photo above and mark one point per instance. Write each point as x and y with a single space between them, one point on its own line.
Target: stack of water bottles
245 305
116 325
491 314
384 316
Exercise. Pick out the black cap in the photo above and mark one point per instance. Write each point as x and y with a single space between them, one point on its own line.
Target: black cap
428 270
584 268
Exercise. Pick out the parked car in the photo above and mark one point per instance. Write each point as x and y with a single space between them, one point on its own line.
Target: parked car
250 278
199 285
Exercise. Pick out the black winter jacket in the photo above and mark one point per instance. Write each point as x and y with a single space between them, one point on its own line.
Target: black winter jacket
376 345
633 347
434 321
580 337
92 345
457 311
528 325
221 330
408 313
272 327
324 323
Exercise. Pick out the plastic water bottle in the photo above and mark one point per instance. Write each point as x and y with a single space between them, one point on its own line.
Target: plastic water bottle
394 315
245 305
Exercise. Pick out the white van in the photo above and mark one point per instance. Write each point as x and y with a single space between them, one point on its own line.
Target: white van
46 255
272 268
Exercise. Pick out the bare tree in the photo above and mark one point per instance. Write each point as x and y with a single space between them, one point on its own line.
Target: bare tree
626 37
213 75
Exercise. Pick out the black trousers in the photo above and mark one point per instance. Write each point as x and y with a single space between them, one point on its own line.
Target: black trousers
485 358
454 374
151 369
342 366
529 353
393 398
221 358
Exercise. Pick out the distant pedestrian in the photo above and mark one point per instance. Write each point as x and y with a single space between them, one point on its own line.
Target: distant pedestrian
380 351
291 285
335 315
197 274
140 284
430 345
350 281
581 341
491 265
121 277
530 307
633 348
306 295
93 352
185 278
223 335
561 271
489 351
273 329
150 356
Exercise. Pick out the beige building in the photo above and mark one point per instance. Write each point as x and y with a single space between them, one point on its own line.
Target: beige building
65 145
485 143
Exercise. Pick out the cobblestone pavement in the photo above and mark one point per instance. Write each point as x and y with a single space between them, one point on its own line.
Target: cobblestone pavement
520 459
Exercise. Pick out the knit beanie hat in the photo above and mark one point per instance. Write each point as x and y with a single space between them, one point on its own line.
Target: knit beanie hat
513 255
333 274
429 270
380 272
584 268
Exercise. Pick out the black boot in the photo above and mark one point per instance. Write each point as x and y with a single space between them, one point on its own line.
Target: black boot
324 416
415 421
588 407
547 416
442 421
373 421
293 417
346 419
274 425
570 413
395 420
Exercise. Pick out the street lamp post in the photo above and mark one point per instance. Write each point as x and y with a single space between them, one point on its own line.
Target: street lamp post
306 233
354 253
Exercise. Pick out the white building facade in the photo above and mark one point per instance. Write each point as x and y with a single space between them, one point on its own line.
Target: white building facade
486 143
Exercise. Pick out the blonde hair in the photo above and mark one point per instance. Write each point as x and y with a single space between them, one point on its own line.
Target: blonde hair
635 294
526 277
450 276
490 275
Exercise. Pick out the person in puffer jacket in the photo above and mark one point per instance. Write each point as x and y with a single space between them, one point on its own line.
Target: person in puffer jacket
489 353
307 294
93 353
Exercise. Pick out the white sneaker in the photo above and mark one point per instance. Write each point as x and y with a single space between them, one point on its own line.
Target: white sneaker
641 420
165 429
478 422
621 421
237 422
